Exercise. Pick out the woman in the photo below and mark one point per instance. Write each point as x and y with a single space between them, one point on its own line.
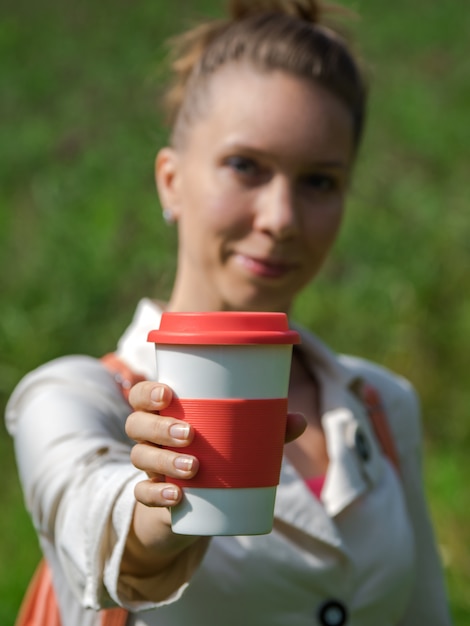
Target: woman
268 109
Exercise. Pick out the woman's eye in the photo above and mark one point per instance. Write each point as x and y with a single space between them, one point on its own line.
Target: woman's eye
247 170
320 182
243 165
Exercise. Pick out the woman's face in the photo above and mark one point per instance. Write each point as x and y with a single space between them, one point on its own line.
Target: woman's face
258 189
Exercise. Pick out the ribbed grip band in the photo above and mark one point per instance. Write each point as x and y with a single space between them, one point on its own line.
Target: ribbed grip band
239 443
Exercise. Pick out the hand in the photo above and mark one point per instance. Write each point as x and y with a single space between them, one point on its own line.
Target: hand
151 431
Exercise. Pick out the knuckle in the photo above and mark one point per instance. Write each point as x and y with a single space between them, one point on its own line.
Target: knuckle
160 461
146 493
157 494
168 431
158 430
136 455
168 467
136 394
150 395
129 426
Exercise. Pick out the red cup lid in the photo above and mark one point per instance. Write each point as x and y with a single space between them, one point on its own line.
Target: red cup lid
224 328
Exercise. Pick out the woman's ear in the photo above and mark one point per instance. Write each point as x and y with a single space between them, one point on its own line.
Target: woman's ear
167 181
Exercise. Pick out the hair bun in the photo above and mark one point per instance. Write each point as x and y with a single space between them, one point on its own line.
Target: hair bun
307 10
295 36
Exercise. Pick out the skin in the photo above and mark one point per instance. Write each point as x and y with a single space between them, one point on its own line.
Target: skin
258 189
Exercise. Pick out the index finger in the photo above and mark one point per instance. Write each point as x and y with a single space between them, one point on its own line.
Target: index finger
150 396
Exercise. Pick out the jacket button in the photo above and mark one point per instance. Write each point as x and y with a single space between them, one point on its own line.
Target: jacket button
362 445
332 613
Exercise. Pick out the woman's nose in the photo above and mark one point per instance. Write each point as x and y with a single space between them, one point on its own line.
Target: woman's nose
276 209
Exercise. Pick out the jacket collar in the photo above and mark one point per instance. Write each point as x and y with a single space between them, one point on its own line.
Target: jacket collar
326 366
355 459
133 347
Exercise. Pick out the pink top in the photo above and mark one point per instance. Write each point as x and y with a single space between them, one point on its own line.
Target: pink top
315 484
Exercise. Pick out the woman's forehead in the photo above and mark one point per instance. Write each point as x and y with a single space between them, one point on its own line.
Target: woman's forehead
246 106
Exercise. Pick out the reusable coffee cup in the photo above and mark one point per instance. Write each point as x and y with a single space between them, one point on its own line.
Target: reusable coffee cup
229 372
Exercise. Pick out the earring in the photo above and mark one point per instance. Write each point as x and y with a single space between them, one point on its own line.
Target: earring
168 216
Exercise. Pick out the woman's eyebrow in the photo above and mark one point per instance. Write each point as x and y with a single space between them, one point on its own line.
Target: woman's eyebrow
339 164
253 150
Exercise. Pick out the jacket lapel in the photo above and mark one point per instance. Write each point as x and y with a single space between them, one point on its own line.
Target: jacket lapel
355 460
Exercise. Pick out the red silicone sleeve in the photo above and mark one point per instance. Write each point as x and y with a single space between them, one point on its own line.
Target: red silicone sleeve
239 443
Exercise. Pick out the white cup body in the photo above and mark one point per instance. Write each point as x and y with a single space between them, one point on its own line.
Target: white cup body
238 371
250 372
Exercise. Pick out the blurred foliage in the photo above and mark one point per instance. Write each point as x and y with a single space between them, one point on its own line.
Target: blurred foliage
81 237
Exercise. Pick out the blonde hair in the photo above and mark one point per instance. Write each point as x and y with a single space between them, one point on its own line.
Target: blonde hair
286 35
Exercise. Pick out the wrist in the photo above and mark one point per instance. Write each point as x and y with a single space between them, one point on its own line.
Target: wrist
151 544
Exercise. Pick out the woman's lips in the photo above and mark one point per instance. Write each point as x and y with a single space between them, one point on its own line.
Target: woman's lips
266 268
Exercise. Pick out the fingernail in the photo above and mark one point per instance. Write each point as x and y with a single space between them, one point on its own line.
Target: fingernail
170 493
179 431
184 463
156 395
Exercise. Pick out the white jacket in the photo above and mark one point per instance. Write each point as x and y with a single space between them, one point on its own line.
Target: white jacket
363 556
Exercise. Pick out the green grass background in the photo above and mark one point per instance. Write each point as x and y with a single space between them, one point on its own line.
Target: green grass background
81 236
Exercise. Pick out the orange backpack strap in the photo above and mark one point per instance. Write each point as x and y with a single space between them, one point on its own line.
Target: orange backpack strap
375 409
114 617
123 375
39 606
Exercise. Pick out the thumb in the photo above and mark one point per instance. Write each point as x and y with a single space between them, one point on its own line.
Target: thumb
296 424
